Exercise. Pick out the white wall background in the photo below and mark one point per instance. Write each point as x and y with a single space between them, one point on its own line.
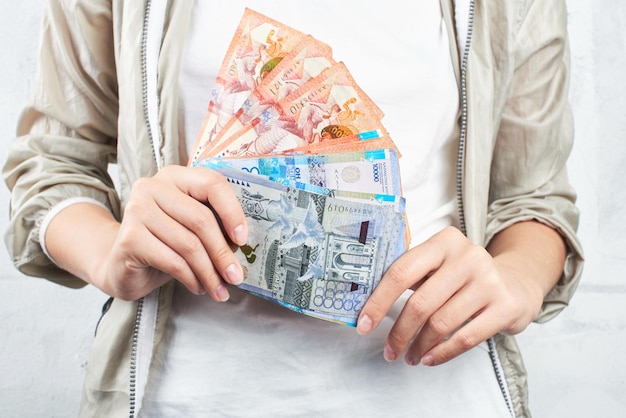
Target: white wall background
576 362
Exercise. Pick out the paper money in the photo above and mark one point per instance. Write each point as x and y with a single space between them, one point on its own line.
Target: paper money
366 141
277 176
313 253
287 174
328 106
315 171
373 171
259 44
307 60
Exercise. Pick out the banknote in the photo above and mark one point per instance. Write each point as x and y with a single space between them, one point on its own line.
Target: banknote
396 201
330 105
322 174
258 46
365 141
317 174
311 252
276 176
373 171
307 59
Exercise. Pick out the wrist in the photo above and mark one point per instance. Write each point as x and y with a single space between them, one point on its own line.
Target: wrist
533 250
527 283
79 239
100 249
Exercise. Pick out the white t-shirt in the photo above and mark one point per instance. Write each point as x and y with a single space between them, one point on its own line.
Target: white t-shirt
250 357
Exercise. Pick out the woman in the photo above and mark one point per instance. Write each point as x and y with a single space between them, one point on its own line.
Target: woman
475 96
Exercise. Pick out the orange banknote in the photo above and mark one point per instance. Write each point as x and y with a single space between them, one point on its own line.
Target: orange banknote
330 105
308 59
259 44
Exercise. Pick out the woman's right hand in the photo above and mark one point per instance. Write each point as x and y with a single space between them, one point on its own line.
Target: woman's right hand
173 227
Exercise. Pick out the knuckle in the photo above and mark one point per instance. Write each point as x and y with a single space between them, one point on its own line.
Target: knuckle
452 232
168 171
417 305
476 254
520 322
449 234
438 326
397 339
466 340
193 246
491 280
141 185
518 327
125 242
210 279
222 255
202 220
178 267
141 182
215 182
134 206
397 274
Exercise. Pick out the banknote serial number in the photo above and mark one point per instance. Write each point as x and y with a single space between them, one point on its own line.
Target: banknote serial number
356 210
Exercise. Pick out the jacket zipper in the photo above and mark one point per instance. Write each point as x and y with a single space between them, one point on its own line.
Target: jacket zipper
159 163
133 357
463 130
135 341
459 189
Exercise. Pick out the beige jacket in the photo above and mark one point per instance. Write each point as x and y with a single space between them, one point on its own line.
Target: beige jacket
95 103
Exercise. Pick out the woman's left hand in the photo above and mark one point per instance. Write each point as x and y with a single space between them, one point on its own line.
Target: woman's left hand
462 296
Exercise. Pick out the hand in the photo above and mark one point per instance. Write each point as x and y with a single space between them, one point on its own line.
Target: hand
168 231
462 296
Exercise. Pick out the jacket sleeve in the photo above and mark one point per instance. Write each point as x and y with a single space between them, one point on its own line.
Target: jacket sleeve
67 131
529 176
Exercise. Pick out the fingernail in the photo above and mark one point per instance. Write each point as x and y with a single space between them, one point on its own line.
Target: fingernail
411 360
389 354
222 293
364 325
241 234
234 274
428 360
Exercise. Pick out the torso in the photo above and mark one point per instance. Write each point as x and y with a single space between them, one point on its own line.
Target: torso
249 356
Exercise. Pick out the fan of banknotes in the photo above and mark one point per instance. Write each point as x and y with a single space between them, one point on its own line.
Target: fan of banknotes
315 171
